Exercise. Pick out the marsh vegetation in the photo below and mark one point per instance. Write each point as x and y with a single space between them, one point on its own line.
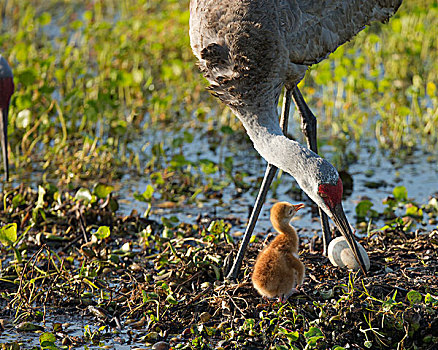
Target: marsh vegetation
130 187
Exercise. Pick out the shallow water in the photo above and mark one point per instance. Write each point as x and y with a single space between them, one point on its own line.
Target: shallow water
418 172
73 326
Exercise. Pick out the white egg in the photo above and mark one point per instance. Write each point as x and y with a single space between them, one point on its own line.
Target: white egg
341 255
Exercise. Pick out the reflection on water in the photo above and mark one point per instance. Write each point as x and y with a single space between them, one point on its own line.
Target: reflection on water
73 326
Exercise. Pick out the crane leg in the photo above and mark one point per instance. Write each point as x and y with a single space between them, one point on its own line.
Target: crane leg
308 126
4 140
266 183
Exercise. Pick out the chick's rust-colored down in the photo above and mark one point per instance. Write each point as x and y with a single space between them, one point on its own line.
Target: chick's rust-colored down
278 269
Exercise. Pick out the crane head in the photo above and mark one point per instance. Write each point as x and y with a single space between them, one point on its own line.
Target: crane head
6 91
331 197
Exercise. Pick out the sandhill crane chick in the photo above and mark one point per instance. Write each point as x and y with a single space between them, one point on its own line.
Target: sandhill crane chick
278 269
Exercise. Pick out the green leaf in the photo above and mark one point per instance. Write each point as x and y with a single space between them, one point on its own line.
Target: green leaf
102 232
396 25
429 299
188 137
217 227
313 335
18 200
363 208
157 178
227 130
27 77
340 73
88 16
146 196
171 300
148 193
228 164
313 332
414 297
83 194
208 167
292 336
76 25
8 234
413 210
178 160
29 327
57 327
102 191
45 18
400 193
47 340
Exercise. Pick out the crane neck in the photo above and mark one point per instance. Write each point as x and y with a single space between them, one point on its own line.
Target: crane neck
286 154
308 169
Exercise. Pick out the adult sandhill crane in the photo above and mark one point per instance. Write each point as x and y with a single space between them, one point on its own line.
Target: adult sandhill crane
249 50
6 91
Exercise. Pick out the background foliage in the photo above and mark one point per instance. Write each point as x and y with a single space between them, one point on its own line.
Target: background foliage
95 82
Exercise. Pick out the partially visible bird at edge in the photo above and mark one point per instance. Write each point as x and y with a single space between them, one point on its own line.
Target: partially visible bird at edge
278 269
6 91
249 50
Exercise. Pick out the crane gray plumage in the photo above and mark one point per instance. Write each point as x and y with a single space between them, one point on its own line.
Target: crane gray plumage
6 91
267 44
249 50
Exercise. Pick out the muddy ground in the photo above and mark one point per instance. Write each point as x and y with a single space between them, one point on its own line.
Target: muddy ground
162 284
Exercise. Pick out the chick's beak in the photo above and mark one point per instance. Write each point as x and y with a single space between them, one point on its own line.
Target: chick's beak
298 206
344 227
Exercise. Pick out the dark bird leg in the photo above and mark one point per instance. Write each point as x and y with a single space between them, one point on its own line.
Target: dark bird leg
266 183
4 140
308 126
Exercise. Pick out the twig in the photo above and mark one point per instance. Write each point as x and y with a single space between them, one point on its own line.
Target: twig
199 295
189 280
26 265
82 224
237 307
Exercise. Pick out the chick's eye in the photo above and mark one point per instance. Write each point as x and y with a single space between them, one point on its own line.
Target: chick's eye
323 195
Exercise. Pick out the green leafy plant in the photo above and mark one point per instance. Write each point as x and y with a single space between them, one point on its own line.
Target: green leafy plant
47 341
8 234
146 197
8 237
363 210
312 336
102 232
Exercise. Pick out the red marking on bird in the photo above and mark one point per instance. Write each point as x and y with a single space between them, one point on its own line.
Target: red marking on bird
6 91
332 194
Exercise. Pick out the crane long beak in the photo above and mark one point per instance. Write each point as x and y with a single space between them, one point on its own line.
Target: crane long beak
342 223
4 139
